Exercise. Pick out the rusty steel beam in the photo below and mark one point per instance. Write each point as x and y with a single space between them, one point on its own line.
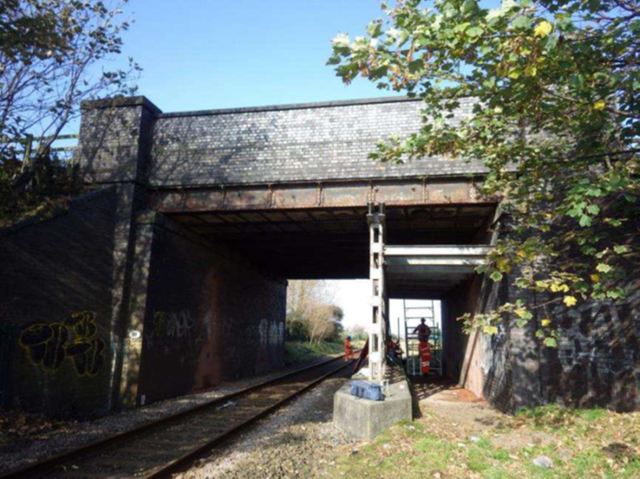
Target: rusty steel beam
343 194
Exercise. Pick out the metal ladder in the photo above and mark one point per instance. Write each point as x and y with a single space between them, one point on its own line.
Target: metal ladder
412 317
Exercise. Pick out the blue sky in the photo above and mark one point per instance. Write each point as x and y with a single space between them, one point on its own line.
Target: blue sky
204 54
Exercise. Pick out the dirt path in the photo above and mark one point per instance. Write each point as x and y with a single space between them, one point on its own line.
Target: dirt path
461 414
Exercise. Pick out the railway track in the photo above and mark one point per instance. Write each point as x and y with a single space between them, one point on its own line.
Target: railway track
167 445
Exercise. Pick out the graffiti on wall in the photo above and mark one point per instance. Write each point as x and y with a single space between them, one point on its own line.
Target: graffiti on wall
76 338
271 334
588 347
173 324
177 327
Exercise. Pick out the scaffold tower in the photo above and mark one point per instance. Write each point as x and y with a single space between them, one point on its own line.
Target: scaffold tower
412 316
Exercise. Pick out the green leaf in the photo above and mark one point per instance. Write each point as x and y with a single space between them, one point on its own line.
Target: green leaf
374 29
550 342
495 14
585 221
474 32
621 249
404 37
522 22
341 43
468 6
603 267
593 209
496 276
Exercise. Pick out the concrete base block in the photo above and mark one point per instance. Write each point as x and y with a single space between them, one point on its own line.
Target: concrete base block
363 419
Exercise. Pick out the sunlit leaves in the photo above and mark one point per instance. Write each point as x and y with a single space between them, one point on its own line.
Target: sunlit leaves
542 29
490 329
556 123
621 249
341 44
374 29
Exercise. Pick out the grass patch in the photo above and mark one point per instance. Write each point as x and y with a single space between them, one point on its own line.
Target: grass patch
302 352
434 453
483 456
551 415
592 415
580 443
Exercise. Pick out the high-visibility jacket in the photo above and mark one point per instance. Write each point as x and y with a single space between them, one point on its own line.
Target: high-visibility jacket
348 350
424 348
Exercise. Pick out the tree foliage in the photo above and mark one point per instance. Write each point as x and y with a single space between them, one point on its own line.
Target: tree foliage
52 57
311 314
555 121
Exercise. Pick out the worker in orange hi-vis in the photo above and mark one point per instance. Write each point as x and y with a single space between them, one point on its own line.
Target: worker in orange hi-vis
424 348
348 349
394 348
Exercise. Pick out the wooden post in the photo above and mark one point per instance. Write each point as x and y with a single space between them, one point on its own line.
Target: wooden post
26 159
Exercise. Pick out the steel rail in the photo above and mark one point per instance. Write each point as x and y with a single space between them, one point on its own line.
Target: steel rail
177 464
48 463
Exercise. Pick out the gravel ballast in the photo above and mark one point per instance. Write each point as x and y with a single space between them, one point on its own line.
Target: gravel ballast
299 440
37 444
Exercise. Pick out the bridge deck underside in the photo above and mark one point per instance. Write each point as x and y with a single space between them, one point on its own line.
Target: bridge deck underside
333 243
429 271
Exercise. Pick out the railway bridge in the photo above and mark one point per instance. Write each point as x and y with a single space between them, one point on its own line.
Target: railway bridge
171 274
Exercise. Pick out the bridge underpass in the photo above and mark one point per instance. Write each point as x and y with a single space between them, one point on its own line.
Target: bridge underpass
333 242
178 257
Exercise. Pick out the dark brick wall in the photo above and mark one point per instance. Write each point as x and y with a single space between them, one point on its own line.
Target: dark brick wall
496 351
55 303
597 362
289 143
454 339
115 137
130 139
209 316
